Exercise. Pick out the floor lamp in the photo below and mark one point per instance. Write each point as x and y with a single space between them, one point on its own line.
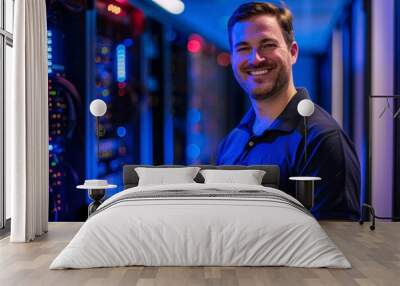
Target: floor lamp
98 108
305 184
305 108
96 188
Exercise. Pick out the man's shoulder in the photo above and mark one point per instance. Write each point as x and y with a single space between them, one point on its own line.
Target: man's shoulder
321 122
234 134
230 146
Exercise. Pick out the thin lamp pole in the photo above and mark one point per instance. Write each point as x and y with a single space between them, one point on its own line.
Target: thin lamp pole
305 139
97 136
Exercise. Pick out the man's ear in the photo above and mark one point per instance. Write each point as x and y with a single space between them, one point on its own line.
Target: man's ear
294 52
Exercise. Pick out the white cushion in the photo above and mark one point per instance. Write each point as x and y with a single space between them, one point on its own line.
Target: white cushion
248 177
164 176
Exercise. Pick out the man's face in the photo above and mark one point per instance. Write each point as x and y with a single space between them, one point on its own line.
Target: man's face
261 59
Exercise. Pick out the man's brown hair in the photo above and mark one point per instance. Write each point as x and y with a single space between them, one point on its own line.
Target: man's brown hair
251 9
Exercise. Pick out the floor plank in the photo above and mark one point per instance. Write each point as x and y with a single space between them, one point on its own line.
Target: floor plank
374 255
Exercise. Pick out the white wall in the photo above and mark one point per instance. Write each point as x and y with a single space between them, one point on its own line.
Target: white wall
337 76
382 83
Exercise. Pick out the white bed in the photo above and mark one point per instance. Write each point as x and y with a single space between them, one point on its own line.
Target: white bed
185 230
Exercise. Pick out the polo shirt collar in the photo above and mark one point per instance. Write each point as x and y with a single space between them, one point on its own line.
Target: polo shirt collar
286 121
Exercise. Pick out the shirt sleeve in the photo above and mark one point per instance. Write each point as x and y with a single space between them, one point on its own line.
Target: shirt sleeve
332 156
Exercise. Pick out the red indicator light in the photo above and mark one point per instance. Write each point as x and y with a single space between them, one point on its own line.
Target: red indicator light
195 44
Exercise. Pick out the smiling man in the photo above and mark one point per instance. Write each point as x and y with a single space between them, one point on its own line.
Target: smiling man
263 50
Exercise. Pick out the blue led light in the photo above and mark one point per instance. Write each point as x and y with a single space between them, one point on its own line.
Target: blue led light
128 42
102 168
199 139
152 84
115 164
49 54
121 63
50 147
103 74
193 151
194 116
121 131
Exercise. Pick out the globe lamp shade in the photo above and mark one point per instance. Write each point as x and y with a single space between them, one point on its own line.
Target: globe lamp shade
305 107
98 107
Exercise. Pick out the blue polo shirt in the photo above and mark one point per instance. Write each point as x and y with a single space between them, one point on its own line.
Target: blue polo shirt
330 155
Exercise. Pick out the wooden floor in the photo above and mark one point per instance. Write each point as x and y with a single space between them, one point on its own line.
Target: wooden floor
374 255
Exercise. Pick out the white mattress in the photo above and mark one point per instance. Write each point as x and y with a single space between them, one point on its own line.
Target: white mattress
200 231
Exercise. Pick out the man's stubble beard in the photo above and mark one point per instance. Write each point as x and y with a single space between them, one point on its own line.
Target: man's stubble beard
280 84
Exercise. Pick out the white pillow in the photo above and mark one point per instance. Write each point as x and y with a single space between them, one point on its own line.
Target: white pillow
164 176
249 177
